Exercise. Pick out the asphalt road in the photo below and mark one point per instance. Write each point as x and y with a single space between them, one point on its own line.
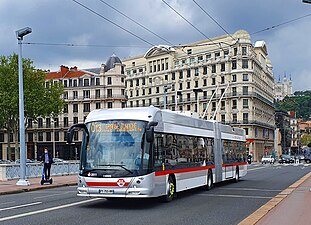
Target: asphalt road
226 203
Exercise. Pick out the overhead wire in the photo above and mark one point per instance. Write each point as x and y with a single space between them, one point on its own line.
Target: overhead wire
137 23
80 45
213 19
281 24
110 21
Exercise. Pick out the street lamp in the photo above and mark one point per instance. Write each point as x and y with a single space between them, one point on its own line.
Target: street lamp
22 180
166 87
196 91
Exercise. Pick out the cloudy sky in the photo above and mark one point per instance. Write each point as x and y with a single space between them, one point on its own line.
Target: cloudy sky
57 22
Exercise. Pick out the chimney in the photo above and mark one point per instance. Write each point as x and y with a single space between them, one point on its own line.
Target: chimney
74 68
63 70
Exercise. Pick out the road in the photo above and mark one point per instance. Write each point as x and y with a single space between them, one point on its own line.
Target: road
226 203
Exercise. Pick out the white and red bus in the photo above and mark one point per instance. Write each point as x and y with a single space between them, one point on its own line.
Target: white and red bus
147 152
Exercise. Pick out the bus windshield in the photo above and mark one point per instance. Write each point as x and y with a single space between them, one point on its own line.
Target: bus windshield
115 148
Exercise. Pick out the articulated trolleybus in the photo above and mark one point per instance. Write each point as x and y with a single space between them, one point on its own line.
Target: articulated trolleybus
147 152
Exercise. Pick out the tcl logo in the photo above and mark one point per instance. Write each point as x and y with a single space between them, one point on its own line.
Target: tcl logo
121 182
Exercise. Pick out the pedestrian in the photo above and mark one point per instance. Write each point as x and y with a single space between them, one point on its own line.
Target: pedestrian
47 159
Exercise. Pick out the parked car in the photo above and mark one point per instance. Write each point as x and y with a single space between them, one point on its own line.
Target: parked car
286 159
308 158
267 159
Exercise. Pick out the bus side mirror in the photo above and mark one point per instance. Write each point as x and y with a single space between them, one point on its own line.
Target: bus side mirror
150 131
71 131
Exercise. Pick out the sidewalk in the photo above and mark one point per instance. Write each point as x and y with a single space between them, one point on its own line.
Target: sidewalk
10 187
291 206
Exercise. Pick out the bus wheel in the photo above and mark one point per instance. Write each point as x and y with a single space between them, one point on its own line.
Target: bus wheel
209 184
170 189
237 175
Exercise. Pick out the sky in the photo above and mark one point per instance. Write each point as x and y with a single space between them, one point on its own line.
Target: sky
95 39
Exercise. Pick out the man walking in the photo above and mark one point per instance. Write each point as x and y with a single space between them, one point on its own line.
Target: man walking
47 159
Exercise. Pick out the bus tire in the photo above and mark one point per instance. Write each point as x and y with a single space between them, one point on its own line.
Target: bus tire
209 184
170 189
237 175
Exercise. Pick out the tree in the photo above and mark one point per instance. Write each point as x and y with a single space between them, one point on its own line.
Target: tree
40 100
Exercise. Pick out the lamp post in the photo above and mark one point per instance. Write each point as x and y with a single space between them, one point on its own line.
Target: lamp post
196 91
22 180
166 87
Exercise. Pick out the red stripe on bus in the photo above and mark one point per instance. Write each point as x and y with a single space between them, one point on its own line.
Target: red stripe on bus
234 164
185 170
105 184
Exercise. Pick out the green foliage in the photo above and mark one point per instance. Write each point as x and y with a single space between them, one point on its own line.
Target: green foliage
300 103
39 100
305 139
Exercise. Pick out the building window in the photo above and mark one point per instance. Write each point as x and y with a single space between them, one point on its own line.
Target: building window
109 93
196 84
213 68
97 81
56 136
149 91
75 108
75 94
48 136
213 81
86 94
131 83
223 105
217 54
223 67
200 58
189 51
86 107
109 105
137 92
75 120
234 91
75 83
223 118
244 63
226 52
97 105
196 72
245 103
40 136
245 90
233 64
76 135
65 136
235 51
86 82
65 108
1 137
157 89
205 82
65 95
97 93
137 103
144 91
213 106
180 86
245 77
204 70
233 77
143 81
246 131
234 118
131 93
180 74
137 82
222 79
188 85
244 50
245 117
150 101
109 81
188 73
40 123
188 97
234 104
173 76
166 77
158 101
65 83
65 121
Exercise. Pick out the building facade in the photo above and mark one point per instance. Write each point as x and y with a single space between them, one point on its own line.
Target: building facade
283 88
84 91
226 78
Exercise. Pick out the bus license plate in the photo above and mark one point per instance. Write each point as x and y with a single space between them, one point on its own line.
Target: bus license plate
106 191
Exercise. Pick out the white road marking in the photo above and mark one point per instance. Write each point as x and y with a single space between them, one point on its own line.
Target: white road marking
47 210
250 189
257 168
235 196
20 206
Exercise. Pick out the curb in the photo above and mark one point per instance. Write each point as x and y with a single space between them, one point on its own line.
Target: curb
263 210
36 188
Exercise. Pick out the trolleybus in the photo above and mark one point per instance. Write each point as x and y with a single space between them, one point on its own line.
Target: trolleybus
148 152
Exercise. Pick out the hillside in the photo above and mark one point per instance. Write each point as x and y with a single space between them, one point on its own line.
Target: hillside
300 102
